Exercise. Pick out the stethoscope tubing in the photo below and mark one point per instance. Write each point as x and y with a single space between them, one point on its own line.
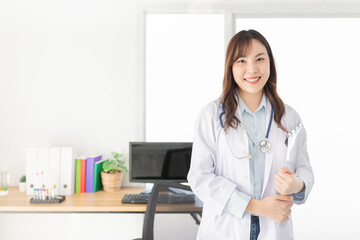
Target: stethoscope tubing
266 137
270 121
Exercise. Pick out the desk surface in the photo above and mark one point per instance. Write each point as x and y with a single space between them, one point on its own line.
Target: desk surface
99 202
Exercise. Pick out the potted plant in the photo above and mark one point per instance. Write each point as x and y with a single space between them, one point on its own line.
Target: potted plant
113 172
22 183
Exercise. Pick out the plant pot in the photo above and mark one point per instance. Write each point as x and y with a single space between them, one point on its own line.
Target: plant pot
22 186
111 181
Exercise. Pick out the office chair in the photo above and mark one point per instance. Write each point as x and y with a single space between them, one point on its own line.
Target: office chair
148 226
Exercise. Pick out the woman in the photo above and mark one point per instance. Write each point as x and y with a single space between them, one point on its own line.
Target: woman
238 166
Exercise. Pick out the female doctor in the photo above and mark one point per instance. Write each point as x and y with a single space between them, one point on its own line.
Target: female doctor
238 166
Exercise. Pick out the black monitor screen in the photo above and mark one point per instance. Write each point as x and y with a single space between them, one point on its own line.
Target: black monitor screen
154 161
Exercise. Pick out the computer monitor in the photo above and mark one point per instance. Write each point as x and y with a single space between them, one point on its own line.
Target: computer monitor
159 161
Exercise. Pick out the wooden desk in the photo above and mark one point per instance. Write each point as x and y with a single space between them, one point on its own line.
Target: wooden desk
99 202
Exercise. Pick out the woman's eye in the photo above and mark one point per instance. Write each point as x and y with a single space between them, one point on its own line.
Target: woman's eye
260 59
241 61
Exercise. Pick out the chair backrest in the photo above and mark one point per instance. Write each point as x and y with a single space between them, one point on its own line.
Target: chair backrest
148 227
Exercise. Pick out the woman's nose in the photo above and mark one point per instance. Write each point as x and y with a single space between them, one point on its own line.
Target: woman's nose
252 68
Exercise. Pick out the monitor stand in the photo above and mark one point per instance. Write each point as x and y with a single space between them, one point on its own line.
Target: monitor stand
149 186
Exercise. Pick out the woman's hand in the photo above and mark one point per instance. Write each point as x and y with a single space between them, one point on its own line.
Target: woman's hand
275 207
287 183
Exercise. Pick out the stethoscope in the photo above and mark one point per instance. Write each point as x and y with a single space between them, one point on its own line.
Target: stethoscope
264 145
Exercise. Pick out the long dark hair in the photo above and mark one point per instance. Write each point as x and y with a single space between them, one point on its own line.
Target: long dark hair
238 47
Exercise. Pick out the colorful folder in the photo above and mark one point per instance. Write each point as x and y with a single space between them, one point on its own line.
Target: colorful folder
97 175
80 171
90 162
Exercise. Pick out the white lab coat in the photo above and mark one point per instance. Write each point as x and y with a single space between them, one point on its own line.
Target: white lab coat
215 173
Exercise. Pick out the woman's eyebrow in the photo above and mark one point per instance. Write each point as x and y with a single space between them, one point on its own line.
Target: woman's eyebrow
260 54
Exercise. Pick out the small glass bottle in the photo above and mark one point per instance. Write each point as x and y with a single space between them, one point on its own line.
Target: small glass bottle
4 182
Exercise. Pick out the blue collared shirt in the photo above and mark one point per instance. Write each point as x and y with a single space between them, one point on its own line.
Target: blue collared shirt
255 125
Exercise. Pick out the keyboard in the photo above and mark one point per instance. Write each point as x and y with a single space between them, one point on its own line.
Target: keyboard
165 198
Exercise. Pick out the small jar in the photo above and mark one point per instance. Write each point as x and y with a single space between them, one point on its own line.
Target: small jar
4 182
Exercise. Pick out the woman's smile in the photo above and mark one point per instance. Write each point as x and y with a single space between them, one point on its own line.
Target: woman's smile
253 80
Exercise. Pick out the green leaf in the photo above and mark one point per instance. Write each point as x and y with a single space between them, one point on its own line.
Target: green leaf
106 166
115 155
124 169
115 164
23 178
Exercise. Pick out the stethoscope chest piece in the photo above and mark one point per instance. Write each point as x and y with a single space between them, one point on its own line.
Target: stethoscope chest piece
265 145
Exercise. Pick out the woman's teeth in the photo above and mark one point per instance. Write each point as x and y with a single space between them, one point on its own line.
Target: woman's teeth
252 79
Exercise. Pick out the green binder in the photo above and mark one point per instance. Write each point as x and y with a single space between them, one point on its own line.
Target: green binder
97 175
77 174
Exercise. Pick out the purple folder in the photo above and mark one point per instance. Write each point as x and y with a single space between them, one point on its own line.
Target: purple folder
90 162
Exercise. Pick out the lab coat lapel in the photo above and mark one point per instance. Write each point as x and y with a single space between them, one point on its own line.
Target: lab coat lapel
238 138
269 155
238 114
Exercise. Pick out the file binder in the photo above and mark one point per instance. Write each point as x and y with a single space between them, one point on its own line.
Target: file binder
77 174
97 175
31 170
90 162
43 166
67 171
46 167
82 175
54 169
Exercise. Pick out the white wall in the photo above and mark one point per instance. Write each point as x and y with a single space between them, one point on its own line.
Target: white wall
70 75
68 78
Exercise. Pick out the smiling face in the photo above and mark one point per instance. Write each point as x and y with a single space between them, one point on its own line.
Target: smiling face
251 72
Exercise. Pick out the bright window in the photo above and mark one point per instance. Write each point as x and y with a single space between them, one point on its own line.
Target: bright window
184 71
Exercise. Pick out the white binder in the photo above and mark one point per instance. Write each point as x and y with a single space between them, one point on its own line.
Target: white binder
67 171
54 169
46 167
43 166
31 170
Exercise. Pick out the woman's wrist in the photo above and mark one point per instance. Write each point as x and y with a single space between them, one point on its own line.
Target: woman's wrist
300 185
254 207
